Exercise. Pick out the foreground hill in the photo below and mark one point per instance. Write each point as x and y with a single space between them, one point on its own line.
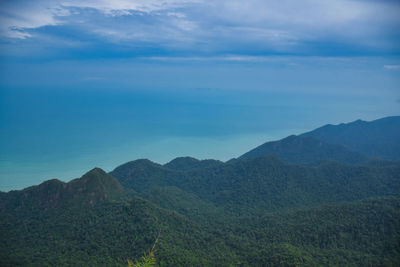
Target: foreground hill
258 212
78 224
362 233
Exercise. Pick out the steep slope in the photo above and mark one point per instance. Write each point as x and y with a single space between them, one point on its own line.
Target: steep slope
305 149
378 138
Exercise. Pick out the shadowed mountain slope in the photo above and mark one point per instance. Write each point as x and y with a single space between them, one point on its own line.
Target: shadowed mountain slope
304 149
379 138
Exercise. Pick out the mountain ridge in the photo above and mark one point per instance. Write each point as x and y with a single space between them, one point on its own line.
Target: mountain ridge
272 183
356 142
306 149
378 138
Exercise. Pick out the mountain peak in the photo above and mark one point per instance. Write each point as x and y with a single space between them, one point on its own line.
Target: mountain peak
185 159
93 187
95 182
95 173
137 163
96 170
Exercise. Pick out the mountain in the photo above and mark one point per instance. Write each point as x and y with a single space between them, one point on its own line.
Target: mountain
142 175
379 138
80 224
271 213
93 187
357 142
270 207
306 149
358 233
253 186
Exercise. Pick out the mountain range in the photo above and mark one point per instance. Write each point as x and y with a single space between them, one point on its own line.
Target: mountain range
329 197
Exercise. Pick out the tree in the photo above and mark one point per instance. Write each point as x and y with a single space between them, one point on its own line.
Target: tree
148 260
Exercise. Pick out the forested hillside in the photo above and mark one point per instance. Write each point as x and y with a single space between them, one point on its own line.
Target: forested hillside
319 204
265 184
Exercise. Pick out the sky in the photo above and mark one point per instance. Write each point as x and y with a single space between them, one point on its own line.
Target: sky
89 83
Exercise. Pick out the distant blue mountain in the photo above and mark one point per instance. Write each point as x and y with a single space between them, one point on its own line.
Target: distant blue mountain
355 143
379 138
305 149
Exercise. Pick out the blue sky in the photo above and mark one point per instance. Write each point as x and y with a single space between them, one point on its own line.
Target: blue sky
98 83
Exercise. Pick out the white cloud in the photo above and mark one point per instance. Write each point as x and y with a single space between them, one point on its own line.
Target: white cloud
123 7
34 14
259 24
17 18
310 18
392 67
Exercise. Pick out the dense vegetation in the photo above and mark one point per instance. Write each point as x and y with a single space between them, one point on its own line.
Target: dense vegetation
262 184
252 211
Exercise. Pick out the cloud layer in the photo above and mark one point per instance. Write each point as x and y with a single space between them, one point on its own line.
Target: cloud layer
221 26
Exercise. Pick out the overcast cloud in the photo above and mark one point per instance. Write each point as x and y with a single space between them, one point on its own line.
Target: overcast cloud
197 26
